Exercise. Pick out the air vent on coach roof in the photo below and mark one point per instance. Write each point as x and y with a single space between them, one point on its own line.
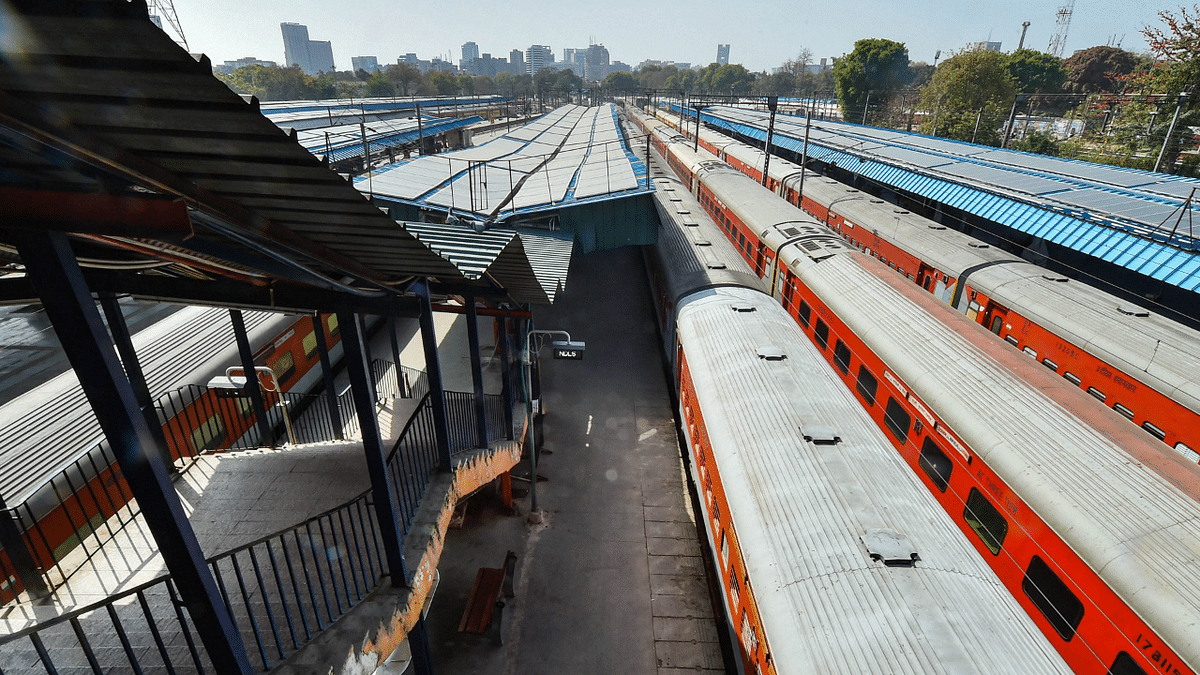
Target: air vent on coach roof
716 266
771 353
820 434
1055 277
890 547
791 232
1129 310
742 307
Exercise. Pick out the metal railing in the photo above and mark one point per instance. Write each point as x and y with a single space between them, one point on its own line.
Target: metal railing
282 591
76 507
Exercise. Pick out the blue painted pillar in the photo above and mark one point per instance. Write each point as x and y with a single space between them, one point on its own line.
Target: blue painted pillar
433 371
505 348
253 389
51 266
418 644
481 439
363 391
331 394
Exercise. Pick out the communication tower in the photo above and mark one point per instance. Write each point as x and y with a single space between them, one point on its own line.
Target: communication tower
163 11
1062 23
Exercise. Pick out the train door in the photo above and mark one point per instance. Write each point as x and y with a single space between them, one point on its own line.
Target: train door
994 317
760 260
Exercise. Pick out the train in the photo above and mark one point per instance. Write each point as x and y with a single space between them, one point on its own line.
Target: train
832 556
83 488
1092 525
1141 364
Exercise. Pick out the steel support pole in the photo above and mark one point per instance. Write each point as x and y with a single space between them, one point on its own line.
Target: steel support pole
481 439
335 411
804 158
772 104
505 348
253 387
19 556
418 644
51 266
433 372
1012 118
401 383
362 389
133 370
1167 138
362 330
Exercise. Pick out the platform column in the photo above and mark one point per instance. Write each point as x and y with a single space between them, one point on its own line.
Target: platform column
366 343
400 382
51 266
253 388
433 372
362 389
505 349
476 373
418 644
335 412
137 378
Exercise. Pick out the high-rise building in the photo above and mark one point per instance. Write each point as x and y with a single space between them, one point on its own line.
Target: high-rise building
595 63
312 56
469 63
295 46
320 56
516 62
470 50
538 57
723 55
367 63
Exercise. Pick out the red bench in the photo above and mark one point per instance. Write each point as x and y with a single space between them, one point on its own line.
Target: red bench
485 604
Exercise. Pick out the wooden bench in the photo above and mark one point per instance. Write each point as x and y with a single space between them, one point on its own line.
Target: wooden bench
485 602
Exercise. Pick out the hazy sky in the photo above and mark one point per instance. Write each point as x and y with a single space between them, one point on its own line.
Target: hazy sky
762 34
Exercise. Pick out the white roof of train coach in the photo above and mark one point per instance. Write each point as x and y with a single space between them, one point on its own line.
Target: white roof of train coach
1133 526
800 511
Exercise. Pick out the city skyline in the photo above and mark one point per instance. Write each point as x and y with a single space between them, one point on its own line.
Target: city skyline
759 39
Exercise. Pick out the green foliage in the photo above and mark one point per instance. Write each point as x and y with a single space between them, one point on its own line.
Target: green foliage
1038 142
919 74
442 82
466 85
875 70
970 94
378 84
1098 69
513 85
279 84
778 84
622 82
1036 72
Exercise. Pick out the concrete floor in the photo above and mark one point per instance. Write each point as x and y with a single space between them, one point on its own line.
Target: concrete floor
612 581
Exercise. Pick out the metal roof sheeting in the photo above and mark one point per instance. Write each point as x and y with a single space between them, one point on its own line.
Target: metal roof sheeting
1119 241
569 155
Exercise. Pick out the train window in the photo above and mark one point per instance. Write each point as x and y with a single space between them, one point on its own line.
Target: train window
1031 352
1188 454
805 313
210 434
997 324
986 521
936 464
1072 378
735 591
1125 665
1125 412
725 548
1050 364
821 333
1053 598
1158 433
742 240
928 280
1100 396
333 324
841 357
1012 340
897 419
310 344
284 367
867 385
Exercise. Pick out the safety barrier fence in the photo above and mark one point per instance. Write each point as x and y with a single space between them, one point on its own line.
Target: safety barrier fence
88 502
281 590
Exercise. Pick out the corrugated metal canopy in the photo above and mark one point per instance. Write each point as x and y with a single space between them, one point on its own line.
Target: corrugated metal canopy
100 108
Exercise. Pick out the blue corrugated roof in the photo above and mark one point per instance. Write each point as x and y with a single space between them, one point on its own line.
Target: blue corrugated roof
350 144
1147 254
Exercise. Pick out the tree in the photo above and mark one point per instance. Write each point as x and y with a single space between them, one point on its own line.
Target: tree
621 81
444 83
404 76
1036 72
970 94
1098 69
1037 142
869 75
513 84
798 66
379 84
919 74
778 84
466 85
484 85
279 84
